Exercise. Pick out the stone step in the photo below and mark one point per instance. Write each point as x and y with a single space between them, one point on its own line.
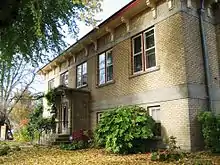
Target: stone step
62 139
60 142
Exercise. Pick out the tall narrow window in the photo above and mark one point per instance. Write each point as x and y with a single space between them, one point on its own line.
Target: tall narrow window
105 67
81 75
50 84
137 53
64 79
143 51
150 49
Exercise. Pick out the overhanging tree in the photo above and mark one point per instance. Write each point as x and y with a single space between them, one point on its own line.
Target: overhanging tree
16 76
33 28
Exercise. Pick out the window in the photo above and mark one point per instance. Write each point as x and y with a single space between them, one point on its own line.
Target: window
81 75
105 67
64 79
154 111
143 55
99 115
50 84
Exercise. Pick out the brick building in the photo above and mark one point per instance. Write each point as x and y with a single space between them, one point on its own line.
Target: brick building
159 54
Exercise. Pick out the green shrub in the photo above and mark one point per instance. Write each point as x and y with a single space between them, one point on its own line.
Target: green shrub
22 135
210 130
123 129
173 152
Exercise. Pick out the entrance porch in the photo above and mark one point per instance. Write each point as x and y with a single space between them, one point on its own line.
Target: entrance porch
72 111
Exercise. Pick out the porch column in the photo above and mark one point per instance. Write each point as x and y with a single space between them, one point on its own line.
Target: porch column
69 119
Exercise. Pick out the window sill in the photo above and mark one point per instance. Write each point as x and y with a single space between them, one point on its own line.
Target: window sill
106 84
83 86
149 70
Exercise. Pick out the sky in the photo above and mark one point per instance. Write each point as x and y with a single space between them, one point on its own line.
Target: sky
109 7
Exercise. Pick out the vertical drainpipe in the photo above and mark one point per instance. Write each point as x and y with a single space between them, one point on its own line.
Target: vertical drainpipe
208 81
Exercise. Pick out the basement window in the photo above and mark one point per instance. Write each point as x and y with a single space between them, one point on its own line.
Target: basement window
154 112
98 116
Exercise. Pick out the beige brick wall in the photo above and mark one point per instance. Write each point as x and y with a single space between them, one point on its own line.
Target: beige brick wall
179 65
170 61
193 50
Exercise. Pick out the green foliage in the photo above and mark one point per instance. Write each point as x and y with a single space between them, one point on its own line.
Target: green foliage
22 135
121 130
211 130
173 152
75 145
38 124
36 26
50 97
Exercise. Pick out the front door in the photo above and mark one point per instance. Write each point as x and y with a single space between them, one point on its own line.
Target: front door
64 118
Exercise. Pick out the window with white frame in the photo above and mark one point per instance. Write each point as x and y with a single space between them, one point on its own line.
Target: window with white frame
81 75
143 55
64 79
99 115
50 84
154 112
105 67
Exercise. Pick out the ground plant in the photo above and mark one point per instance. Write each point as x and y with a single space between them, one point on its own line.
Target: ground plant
123 129
172 153
80 139
210 124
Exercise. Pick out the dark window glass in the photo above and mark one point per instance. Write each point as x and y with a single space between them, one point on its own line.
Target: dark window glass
105 67
137 44
150 58
149 41
64 79
138 63
110 73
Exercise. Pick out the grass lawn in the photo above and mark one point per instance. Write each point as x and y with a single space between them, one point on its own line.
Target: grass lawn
54 156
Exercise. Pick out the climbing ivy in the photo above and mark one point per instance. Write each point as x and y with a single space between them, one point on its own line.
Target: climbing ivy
50 97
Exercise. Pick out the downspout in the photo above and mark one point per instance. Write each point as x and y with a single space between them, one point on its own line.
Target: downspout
208 81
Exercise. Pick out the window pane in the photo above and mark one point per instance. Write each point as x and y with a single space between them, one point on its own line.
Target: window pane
84 79
78 76
63 79
137 44
150 61
149 32
110 73
102 76
79 81
109 58
149 42
51 84
102 61
138 63
84 68
79 70
66 78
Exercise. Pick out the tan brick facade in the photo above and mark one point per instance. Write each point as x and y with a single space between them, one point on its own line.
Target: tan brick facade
176 83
